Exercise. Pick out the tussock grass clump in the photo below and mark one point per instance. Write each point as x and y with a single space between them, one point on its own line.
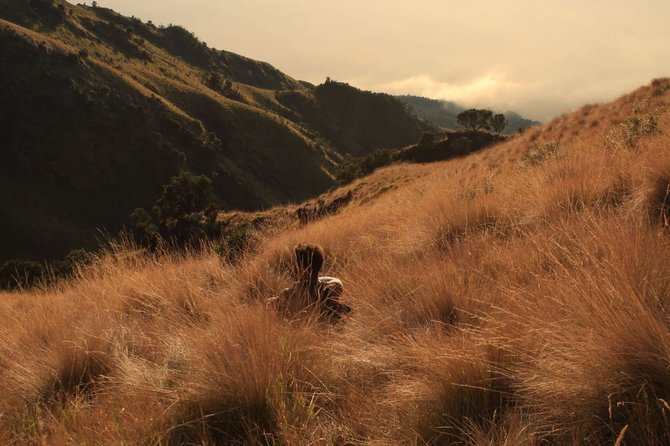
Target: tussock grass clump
450 388
251 379
600 362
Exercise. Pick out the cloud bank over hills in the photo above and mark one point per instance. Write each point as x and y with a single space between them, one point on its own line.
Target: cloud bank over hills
538 59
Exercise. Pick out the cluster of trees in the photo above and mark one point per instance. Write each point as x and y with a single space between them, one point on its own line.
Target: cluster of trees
185 215
225 87
178 214
49 11
182 43
481 119
25 273
357 167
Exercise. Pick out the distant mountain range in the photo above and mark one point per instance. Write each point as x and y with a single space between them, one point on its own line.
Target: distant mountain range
443 113
98 111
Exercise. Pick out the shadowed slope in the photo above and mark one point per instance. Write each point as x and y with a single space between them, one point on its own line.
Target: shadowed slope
98 111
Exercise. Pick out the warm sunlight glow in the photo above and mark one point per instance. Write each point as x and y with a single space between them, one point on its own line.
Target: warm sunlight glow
540 59
478 92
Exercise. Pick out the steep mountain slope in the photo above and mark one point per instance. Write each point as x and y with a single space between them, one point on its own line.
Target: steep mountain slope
444 113
350 119
98 111
518 296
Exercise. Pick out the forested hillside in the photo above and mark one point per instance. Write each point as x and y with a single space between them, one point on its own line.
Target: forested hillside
99 111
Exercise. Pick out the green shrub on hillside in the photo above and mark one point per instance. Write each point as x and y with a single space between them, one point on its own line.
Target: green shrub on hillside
184 194
357 167
48 11
235 241
637 125
428 140
538 154
215 81
21 273
182 214
184 44
144 226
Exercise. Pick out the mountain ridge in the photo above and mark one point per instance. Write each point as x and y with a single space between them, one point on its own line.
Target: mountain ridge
101 110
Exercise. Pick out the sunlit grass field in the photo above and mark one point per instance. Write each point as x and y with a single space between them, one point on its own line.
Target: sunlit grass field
518 296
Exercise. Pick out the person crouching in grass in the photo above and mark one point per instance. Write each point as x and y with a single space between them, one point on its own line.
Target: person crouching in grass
322 292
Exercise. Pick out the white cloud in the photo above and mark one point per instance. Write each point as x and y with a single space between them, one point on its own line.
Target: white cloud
537 58
491 90
476 91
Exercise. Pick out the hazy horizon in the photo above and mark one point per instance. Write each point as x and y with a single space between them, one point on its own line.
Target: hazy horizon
539 61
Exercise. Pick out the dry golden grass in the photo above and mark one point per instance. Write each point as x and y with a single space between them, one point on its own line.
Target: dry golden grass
497 301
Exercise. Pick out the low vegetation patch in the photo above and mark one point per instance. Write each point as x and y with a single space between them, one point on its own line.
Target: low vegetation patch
539 154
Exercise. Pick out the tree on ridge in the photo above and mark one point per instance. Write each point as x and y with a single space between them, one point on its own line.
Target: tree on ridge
498 122
475 119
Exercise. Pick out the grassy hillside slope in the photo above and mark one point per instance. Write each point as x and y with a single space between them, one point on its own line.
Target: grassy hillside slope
515 296
98 111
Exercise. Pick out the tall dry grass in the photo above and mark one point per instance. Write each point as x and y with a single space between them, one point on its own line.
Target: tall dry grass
497 301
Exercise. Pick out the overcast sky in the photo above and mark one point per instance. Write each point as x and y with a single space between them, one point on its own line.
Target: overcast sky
539 58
